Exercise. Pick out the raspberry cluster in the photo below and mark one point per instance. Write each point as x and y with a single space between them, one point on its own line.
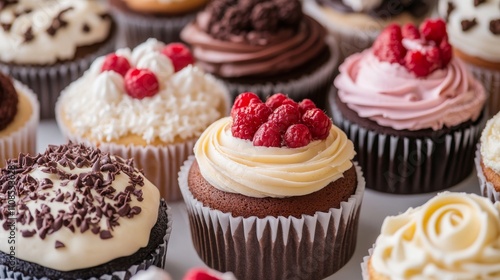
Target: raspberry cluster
421 51
141 83
278 122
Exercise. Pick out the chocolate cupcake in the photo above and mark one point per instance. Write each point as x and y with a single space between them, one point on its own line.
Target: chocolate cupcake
413 110
48 44
265 47
74 212
272 193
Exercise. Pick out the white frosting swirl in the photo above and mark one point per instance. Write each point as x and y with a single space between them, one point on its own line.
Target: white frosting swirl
362 5
235 165
98 107
452 236
45 48
478 41
490 144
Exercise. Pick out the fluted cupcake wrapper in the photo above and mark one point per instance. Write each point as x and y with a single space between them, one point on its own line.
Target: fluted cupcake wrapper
22 140
158 258
403 165
491 82
364 265
487 188
310 247
48 81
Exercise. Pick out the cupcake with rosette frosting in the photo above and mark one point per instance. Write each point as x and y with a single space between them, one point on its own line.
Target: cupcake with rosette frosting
413 110
150 104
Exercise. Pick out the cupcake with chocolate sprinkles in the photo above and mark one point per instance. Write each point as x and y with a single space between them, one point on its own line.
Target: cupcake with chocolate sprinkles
75 212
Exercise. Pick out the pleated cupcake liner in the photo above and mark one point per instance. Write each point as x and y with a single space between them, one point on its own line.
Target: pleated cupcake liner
22 140
487 188
364 265
158 258
309 247
491 82
48 81
403 165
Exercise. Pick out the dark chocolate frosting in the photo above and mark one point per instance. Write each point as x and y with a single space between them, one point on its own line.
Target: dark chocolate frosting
387 8
8 101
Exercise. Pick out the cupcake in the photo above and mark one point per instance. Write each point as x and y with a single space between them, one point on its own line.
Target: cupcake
149 104
19 115
139 20
474 30
487 163
273 188
265 47
155 273
356 24
451 236
75 212
48 44
413 110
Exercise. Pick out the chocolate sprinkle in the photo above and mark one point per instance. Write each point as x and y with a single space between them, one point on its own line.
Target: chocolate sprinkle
59 244
105 234
495 26
468 24
58 22
85 29
28 35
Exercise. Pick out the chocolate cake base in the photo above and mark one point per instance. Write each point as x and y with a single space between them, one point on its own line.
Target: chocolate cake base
409 162
144 258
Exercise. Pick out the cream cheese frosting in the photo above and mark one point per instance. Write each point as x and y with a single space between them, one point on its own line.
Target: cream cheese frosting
393 97
44 32
478 40
452 236
98 107
490 144
56 186
235 165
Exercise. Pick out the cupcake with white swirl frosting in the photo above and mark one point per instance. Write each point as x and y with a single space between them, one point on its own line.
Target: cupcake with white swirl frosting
452 236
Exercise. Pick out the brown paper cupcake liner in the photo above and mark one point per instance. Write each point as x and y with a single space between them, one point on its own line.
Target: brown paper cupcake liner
24 139
48 81
158 258
403 165
491 82
310 247
487 188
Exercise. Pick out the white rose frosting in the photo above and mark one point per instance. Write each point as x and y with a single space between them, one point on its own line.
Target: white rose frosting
98 107
490 144
362 5
478 41
452 236
82 24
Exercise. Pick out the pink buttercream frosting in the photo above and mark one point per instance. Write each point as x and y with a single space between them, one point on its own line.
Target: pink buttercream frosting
393 97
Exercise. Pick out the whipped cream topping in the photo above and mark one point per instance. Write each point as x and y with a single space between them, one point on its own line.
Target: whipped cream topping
452 236
235 165
54 28
479 40
152 273
97 106
362 5
490 144
393 97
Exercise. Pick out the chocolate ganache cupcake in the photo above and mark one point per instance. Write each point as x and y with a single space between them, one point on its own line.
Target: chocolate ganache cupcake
265 46
74 212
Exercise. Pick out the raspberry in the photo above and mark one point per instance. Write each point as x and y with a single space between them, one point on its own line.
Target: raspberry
116 63
268 135
276 100
305 105
434 58
297 135
410 31
248 119
243 100
198 274
417 63
140 83
318 123
434 30
179 54
388 46
284 116
446 52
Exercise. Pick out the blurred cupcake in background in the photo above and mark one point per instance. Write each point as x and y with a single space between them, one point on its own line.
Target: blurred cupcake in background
474 31
48 44
139 20
149 104
488 159
356 23
266 47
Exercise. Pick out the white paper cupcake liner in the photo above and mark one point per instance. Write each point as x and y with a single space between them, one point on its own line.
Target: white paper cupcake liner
403 165
364 265
24 139
491 82
158 258
310 247
487 188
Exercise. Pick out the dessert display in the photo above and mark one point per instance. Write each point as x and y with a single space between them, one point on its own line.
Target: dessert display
487 159
19 116
451 236
48 44
269 186
75 212
412 108
160 19
150 104
356 23
474 30
264 46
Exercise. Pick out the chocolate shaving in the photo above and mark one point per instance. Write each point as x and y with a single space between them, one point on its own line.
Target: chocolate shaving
478 2
5 3
58 22
449 10
105 234
59 244
28 35
468 24
6 26
86 29
495 26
